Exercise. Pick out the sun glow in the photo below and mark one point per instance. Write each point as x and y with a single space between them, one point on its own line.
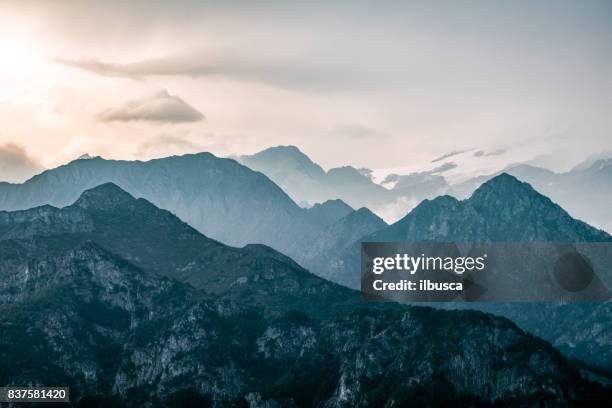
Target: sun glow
19 57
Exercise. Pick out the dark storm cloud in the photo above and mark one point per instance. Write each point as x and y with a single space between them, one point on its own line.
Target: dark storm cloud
157 108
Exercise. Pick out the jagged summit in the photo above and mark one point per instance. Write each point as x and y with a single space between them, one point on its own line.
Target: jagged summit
87 156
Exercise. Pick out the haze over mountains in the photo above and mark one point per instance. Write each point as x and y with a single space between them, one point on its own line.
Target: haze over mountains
583 191
219 197
129 305
236 205
307 183
503 209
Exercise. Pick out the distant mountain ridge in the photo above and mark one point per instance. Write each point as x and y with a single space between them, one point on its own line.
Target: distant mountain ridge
220 197
584 191
306 182
502 209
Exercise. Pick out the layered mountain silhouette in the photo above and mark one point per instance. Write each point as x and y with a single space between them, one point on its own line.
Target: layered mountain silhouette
336 238
503 209
584 191
129 305
306 182
219 197
328 212
156 240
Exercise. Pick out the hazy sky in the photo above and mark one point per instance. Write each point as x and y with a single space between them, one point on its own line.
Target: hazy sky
375 84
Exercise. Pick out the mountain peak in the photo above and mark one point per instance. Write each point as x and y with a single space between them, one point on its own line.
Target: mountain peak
365 212
329 211
107 195
364 215
346 174
504 183
334 204
87 156
288 150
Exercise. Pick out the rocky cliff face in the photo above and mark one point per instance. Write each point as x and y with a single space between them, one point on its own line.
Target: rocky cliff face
74 310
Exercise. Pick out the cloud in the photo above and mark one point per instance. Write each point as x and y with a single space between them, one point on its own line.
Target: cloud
391 178
364 171
442 168
157 108
241 65
497 152
141 69
420 176
16 165
450 154
357 132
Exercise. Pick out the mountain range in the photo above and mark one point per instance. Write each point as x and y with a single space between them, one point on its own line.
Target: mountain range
131 306
583 191
503 209
307 183
219 197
